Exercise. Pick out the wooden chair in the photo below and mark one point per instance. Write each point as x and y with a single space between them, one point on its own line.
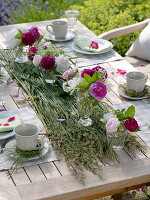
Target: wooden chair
140 64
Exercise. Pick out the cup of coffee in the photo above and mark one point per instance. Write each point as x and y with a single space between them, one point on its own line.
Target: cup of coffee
59 29
136 81
26 137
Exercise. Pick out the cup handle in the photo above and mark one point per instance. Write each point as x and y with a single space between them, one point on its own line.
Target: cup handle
48 29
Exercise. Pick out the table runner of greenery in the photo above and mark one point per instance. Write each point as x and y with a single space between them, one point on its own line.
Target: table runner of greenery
82 147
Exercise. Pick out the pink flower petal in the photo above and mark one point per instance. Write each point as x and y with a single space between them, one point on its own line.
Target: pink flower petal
11 119
2 109
142 65
57 107
6 124
94 45
18 100
14 94
112 73
0 124
121 72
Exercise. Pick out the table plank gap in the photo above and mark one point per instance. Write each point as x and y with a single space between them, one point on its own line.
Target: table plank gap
62 167
7 188
50 170
123 156
42 171
35 173
20 177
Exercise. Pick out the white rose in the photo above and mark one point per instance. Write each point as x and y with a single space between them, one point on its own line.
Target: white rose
62 63
37 60
71 84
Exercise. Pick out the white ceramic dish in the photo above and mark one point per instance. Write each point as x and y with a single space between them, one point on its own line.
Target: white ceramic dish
68 37
7 134
123 94
44 144
100 41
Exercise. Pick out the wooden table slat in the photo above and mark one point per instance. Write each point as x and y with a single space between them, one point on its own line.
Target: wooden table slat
54 181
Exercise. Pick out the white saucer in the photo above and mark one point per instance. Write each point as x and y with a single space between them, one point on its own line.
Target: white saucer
45 147
100 41
69 36
123 94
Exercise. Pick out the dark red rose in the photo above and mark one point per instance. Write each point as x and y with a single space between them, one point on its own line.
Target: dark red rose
48 62
87 71
28 39
35 32
131 125
31 53
100 69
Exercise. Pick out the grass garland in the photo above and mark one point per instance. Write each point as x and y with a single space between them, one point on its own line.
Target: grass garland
83 147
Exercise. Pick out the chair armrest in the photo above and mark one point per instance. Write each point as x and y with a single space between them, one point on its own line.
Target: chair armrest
124 30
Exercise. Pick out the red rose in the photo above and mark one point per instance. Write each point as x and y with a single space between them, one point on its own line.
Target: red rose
131 124
31 53
48 62
28 38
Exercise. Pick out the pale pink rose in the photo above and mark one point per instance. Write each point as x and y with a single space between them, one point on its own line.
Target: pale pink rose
68 73
112 125
37 60
107 116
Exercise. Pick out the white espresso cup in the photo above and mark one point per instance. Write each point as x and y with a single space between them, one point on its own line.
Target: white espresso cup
26 137
59 29
136 81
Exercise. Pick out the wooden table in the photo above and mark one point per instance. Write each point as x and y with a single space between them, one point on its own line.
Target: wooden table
54 181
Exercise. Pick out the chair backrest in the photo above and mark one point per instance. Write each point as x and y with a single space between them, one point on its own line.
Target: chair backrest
124 30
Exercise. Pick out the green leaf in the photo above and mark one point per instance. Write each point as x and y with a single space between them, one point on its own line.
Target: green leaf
87 78
91 98
84 85
18 36
99 73
95 103
130 112
94 77
40 38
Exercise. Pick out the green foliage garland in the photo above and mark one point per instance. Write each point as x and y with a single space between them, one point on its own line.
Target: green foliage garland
83 147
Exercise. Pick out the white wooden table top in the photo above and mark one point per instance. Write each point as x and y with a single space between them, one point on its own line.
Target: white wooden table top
54 181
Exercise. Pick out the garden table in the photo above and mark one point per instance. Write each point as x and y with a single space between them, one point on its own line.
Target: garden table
54 181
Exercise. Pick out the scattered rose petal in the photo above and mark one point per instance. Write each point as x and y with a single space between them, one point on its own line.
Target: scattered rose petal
121 72
0 124
112 73
56 107
2 109
6 124
11 119
19 100
61 120
94 45
142 65
14 94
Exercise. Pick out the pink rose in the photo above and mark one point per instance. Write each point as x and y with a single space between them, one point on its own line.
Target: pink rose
68 73
37 60
94 45
112 125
